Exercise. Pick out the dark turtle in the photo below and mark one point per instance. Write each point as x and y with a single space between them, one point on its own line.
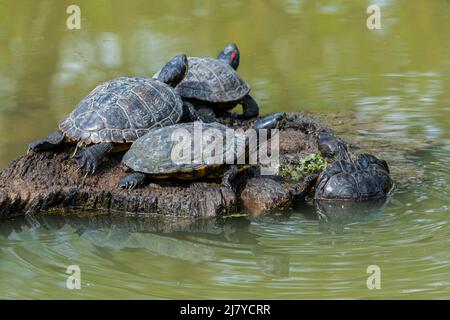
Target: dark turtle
118 112
213 84
357 179
153 155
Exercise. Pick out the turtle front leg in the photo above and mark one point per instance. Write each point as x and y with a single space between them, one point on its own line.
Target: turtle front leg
89 158
250 108
307 186
47 143
201 113
229 176
189 112
132 181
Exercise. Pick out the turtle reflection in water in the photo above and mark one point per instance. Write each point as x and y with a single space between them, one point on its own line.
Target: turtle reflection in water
191 241
335 215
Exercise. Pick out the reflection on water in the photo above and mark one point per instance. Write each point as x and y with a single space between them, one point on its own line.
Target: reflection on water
335 215
194 242
219 245
386 90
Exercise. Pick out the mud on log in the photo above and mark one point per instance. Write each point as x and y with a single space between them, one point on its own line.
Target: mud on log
50 181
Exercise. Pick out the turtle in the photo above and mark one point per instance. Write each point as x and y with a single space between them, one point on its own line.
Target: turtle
116 113
154 155
213 86
360 178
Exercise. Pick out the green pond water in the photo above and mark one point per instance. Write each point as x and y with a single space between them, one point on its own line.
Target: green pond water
388 90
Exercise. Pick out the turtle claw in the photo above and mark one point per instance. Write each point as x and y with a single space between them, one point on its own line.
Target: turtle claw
74 152
127 185
124 184
86 161
132 181
32 147
132 185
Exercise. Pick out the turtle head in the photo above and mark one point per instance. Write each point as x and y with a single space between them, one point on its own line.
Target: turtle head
332 148
174 70
230 54
269 122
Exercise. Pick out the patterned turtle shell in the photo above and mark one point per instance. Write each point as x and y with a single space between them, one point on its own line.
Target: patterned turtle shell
366 178
159 152
122 110
212 80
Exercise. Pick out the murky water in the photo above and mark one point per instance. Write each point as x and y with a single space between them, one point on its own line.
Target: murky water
386 89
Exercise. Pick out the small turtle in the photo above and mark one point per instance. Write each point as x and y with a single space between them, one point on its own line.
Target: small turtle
363 178
118 112
214 85
154 155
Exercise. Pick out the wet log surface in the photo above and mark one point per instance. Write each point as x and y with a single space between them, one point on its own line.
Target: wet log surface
50 181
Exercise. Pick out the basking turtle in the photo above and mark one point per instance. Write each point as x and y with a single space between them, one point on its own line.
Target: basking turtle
118 112
213 84
155 154
363 178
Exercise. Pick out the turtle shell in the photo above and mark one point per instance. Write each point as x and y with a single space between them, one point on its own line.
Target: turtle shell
161 152
212 80
366 178
122 110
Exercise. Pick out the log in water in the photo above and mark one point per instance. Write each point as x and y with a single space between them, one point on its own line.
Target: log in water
50 181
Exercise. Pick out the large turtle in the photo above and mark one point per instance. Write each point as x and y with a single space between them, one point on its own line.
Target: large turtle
118 112
359 178
214 84
155 154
